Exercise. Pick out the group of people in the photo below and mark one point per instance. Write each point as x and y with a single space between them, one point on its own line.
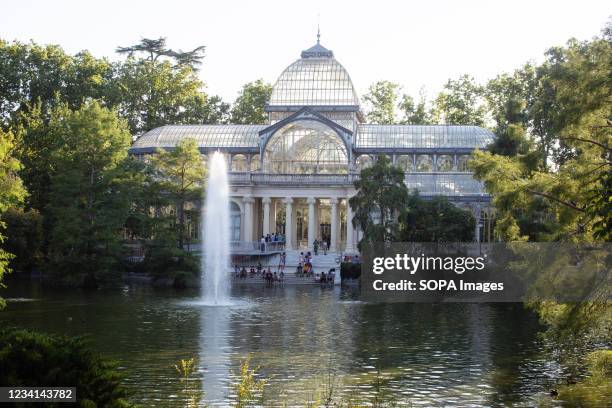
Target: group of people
267 274
277 239
304 267
323 245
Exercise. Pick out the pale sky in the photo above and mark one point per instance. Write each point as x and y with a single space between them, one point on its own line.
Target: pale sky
413 43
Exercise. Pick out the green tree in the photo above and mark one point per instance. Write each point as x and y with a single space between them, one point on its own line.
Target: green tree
12 193
509 97
435 220
180 175
155 48
460 103
381 102
381 196
415 113
150 94
25 238
249 106
571 121
33 74
87 201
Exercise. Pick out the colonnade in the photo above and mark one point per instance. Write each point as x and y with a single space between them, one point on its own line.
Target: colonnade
258 218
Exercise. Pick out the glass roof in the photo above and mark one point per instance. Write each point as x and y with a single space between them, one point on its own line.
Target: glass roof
204 135
421 136
315 79
446 184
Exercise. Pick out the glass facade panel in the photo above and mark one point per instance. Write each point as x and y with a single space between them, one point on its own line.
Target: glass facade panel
363 162
462 161
444 162
424 163
305 147
239 163
255 162
404 162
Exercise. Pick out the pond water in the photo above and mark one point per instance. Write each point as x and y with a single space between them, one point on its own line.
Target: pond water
305 340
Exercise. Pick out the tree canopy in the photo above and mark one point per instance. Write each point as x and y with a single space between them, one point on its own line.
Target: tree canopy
249 106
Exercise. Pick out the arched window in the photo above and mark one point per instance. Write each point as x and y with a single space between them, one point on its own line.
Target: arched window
305 147
255 163
445 163
404 162
424 163
234 221
363 162
239 163
462 162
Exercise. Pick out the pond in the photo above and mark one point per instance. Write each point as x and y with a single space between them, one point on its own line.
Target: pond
305 340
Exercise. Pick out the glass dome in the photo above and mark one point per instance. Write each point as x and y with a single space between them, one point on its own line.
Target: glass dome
316 79
305 147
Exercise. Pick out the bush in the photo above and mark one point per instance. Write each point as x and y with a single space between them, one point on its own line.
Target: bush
350 270
29 358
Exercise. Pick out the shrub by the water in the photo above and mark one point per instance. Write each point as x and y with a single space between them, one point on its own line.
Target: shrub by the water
33 359
350 270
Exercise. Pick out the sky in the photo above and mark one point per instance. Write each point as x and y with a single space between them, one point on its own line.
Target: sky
415 43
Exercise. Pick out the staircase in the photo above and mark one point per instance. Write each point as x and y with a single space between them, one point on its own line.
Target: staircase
320 263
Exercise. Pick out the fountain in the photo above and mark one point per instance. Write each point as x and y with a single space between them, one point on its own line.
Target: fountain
215 234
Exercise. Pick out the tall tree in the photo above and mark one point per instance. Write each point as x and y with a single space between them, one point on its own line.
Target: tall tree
415 113
88 203
180 175
155 48
32 74
571 114
249 106
461 102
12 193
153 93
381 102
509 97
381 195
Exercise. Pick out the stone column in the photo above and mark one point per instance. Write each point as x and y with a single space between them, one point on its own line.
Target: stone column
266 215
333 244
248 218
288 222
350 245
311 222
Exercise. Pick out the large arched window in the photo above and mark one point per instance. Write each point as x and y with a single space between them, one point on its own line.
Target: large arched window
239 163
424 163
445 163
255 163
462 162
363 162
304 147
404 162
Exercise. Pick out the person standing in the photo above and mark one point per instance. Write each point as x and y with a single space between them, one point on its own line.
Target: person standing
315 246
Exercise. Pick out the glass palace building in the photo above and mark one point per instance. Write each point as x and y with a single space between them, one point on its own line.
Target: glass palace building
294 175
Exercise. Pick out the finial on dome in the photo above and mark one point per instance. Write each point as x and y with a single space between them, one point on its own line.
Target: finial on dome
317 51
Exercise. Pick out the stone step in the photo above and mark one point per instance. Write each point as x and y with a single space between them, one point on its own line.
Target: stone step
287 280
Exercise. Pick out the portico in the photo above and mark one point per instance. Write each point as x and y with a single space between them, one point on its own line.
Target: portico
299 216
